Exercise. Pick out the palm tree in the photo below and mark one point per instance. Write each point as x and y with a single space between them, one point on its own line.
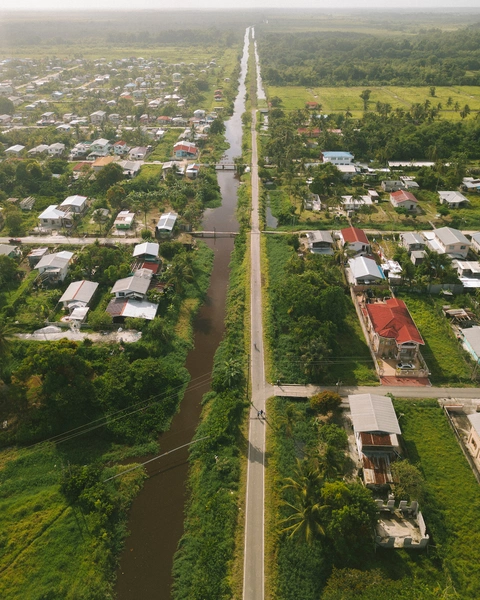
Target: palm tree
180 272
305 521
6 338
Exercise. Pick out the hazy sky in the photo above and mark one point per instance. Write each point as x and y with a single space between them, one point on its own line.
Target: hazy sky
327 5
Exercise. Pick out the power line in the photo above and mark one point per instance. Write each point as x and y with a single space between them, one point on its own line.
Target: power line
155 458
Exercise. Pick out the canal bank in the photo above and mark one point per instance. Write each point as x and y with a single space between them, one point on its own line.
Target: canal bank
156 516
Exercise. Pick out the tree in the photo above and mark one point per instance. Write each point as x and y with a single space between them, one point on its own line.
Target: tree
217 126
143 202
6 337
108 176
180 272
465 111
14 222
432 91
409 482
325 402
116 196
306 520
8 270
365 96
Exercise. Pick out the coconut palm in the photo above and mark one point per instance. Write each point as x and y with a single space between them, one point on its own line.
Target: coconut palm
305 521
6 338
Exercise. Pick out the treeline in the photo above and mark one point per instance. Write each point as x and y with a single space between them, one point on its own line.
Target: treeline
346 58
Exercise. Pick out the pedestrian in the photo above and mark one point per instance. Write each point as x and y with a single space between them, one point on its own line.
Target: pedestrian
255 345
259 413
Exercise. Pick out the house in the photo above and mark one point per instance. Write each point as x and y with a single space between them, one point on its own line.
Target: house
114 118
56 149
10 251
40 149
476 242
131 168
392 330
101 162
98 117
121 308
392 271
356 239
418 256
337 158
185 150
471 184
312 202
166 224
53 217
79 294
48 118
132 287
36 255
27 203
365 271
453 199
473 441
347 171
409 183
148 251
320 242
350 203
124 220
412 241
120 148
392 185
172 165
192 171
54 267
75 204
447 240
403 199
374 195
199 113
15 150
468 272
100 147
377 436
138 153
5 119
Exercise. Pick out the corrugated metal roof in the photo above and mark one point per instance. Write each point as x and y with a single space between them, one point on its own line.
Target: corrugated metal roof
150 248
167 221
475 421
81 291
373 413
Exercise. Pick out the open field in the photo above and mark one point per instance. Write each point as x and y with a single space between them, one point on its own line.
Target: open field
339 99
442 351
453 494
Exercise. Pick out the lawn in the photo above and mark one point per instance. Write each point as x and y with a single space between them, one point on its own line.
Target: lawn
164 148
442 352
453 494
338 99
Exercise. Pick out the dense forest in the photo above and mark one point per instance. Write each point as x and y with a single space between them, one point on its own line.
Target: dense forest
347 58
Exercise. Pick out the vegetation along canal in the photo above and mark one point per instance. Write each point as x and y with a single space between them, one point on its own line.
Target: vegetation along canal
156 517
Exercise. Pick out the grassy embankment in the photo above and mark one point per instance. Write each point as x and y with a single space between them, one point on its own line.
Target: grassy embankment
447 570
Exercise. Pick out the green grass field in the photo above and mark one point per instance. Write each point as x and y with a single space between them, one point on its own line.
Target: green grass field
338 99
453 494
442 352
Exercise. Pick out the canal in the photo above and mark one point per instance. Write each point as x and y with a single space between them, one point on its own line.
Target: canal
156 517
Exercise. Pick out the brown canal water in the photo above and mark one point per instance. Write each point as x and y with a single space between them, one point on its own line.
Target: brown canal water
156 517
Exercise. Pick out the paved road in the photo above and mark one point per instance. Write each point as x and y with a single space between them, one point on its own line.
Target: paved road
74 241
305 391
253 576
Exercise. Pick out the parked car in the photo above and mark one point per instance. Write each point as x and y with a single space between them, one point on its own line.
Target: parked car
14 241
405 365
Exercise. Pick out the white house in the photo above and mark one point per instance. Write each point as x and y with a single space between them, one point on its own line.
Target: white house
356 240
15 150
79 294
100 147
453 199
54 266
365 270
98 117
411 241
131 287
56 149
403 199
338 158
476 242
166 223
53 217
320 242
447 240
75 204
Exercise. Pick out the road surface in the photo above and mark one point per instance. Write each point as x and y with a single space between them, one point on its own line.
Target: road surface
74 241
305 391
253 576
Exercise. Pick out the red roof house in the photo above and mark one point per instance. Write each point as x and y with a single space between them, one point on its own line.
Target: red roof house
403 199
356 239
393 330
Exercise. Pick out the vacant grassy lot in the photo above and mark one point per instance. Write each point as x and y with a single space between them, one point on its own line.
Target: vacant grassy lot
442 352
453 494
338 99
48 548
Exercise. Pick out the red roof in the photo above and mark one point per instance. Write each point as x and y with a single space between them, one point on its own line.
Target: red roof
391 319
403 196
353 234
151 265
310 132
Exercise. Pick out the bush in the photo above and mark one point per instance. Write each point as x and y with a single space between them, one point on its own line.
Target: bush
325 402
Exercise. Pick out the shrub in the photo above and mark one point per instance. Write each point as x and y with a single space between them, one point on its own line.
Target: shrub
325 402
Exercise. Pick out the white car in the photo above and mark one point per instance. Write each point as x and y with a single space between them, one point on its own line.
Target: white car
405 365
